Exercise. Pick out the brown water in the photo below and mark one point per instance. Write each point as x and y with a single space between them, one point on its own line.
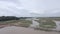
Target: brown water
34 24
22 30
58 25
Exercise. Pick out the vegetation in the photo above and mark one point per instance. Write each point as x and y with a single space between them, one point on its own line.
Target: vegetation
7 18
20 21
46 23
23 23
17 21
7 22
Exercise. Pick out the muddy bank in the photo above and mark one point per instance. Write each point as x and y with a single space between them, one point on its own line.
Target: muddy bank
22 30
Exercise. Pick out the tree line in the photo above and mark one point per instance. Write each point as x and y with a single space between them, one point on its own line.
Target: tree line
6 18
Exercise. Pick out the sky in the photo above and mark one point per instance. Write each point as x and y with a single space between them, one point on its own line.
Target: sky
30 8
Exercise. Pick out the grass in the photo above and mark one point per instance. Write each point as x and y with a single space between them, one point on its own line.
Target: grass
22 23
8 22
46 23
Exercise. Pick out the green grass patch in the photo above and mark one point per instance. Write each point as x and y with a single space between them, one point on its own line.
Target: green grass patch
47 23
23 23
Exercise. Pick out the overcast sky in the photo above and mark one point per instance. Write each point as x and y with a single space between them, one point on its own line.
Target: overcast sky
29 8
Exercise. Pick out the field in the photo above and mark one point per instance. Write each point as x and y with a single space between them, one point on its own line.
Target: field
22 23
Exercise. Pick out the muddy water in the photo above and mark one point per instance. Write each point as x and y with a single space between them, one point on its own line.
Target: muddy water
57 25
34 24
22 30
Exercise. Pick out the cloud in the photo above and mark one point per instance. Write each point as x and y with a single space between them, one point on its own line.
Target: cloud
12 9
29 8
8 8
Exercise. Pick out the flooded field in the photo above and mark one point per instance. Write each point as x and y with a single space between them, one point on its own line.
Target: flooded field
22 30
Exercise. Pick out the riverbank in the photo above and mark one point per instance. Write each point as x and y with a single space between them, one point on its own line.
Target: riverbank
22 30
